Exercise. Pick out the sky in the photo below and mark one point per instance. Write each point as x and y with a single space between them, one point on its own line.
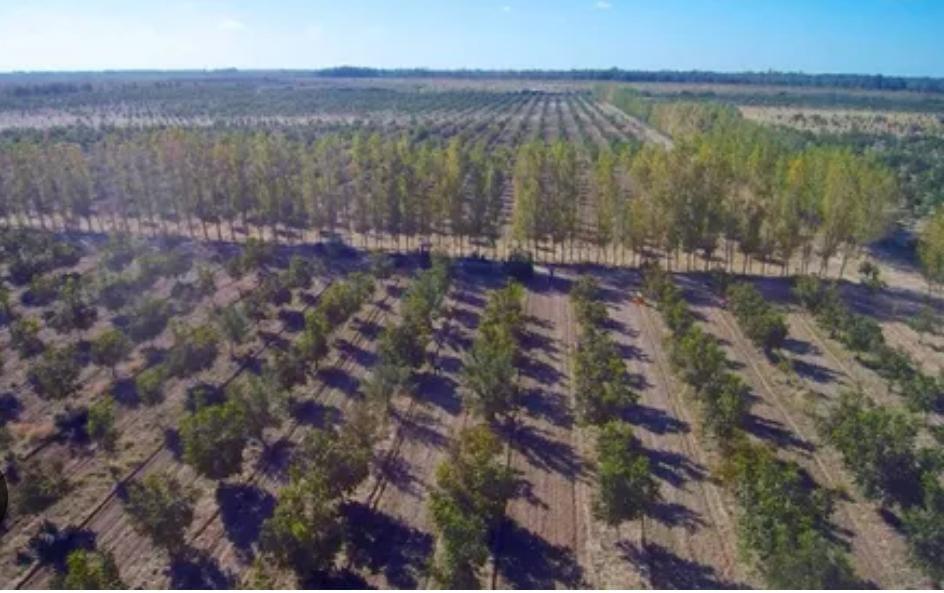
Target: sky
893 37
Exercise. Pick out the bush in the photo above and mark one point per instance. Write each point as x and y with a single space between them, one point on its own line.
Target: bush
73 312
233 323
161 508
86 569
627 488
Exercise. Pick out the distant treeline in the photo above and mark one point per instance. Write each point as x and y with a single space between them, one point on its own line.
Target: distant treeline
795 79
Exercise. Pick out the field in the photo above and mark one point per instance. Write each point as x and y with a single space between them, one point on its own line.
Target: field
266 261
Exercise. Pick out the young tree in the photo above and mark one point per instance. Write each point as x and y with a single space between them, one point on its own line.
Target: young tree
109 348
213 439
233 324
627 488
101 422
161 508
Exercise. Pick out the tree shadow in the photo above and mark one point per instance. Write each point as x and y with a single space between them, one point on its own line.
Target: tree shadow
813 372
668 571
293 321
380 543
196 569
51 545
312 413
675 468
546 453
776 433
10 408
243 509
439 390
125 392
655 420
528 561
340 379
421 427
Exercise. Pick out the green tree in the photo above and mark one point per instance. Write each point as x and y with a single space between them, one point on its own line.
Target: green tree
101 422
213 439
627 488
109 348
161 508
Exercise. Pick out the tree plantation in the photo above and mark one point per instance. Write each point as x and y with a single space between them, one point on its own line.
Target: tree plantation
269 331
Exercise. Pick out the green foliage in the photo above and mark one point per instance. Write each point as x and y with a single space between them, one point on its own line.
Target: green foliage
784 525
149 384
384 381
489 372
299 273
924 527
262 404
601 384
627 488
24 335
109 348
40 486
148 318
472 488
584 296
87 569
194 349
305 532
213 439
877 445
871 276
762 323
101 422
161 508
55 375
233 324
72 312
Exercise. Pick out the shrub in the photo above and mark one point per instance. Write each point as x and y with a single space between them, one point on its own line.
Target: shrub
233 323
161 508
86 569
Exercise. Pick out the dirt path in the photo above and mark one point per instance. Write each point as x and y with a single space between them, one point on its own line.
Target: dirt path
543 540
690 542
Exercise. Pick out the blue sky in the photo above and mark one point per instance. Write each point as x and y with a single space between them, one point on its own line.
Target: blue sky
864 36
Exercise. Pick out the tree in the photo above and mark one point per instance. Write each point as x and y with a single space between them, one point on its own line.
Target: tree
234 325
627 488
149 384
86 569
109 348
931 248
161 508
305 532
213 439
472 488
24 334
924 527
101 422
261 404
56 374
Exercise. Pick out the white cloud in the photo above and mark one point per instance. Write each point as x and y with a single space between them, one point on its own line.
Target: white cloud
603 5
232 25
